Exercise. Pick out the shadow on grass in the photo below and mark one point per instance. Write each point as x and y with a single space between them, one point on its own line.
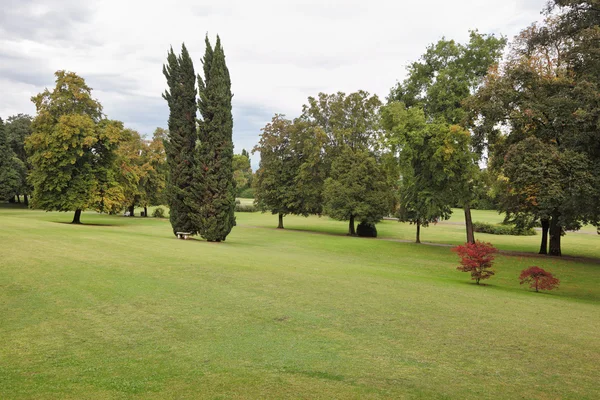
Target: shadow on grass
85 224
527 291
14 206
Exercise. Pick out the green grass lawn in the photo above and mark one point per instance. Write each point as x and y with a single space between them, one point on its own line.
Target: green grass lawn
119 308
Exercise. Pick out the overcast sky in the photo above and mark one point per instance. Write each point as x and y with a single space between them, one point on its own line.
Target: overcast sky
278 52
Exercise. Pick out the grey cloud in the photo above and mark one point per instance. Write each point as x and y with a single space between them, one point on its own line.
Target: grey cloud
23 69
42 20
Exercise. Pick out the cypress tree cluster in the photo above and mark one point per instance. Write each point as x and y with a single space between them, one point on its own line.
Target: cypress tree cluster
201 186
214 169
181 143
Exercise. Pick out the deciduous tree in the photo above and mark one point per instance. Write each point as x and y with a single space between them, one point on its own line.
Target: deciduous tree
70 147
356 189
538 279
447 74
476 258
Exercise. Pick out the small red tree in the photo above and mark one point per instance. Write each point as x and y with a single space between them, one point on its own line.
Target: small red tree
476 258
539 279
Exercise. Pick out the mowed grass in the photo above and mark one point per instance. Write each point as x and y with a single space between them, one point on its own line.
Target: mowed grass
119 308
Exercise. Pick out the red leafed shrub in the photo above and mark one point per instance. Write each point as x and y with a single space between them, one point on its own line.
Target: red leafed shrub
539 279
476 258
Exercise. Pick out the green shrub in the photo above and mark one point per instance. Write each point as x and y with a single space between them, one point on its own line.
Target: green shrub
158 212
237 201
247 193
245 208
366 229
484 227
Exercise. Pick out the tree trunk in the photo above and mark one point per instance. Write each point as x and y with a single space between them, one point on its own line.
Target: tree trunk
418 231
26 200
77 217
545 228
351 230
469 224
18 198
280 226
145 211
131 210
555 232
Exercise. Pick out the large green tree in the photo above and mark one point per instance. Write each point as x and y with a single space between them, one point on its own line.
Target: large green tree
182 136
445 76
290 176
349 124
548 90
9 174
433 157
213 199
357 189
71 146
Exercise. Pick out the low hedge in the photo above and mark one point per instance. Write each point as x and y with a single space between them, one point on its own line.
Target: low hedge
245 208
484 227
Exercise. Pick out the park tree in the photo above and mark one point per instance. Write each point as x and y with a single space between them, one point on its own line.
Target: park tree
357 189
133 170
213 190
70 148
9 174
18 129
274 182
347 120
180 146
242 171
290 176
477 259
110 193
538 279
542 101
350 128
439 83
434 157
154 182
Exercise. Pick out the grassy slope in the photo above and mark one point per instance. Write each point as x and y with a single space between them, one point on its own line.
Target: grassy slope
124 310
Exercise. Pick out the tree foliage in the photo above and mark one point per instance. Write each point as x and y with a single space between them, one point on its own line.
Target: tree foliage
476 258
538 279
181 140
290 176
9 174
356 189
213 200
18 129
71 147
544 101
439 83
434 159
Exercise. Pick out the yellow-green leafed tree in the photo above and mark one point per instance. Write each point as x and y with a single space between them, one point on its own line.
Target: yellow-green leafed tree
71 148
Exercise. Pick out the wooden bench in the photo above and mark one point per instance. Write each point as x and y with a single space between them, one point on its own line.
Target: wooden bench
183 235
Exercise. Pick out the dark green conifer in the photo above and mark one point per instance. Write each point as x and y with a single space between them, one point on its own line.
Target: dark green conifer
214 186
181 142
9 176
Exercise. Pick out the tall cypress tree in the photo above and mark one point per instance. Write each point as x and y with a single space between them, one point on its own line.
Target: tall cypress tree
181 142
214 185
